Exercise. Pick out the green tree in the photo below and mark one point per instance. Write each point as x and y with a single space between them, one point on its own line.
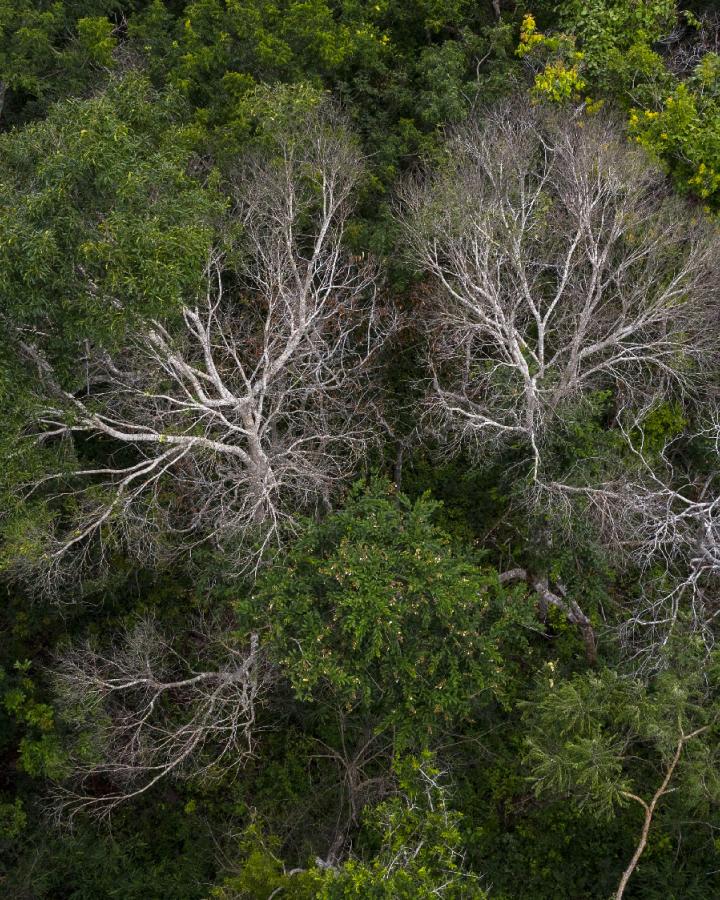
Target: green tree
50 49
101 220
609 740
414 851
375 607
609 49
106 220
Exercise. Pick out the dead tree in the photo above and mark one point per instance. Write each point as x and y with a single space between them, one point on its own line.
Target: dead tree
361 765
257 404
687 45
665 522
149 714
560 265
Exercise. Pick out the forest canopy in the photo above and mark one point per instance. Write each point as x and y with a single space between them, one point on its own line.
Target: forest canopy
360 520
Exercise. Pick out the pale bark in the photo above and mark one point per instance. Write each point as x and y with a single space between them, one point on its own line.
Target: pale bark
559 265
649 809
665 523
153 716
257 406
568 607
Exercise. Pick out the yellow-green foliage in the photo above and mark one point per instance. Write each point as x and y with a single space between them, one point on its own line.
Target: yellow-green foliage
684 132
608 47
560 78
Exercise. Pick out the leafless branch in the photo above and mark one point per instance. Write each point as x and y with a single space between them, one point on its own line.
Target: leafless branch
153 715
561 265
687 45
568 607
257 407
667 525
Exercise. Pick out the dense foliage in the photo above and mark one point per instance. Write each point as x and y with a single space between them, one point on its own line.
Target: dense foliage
360 497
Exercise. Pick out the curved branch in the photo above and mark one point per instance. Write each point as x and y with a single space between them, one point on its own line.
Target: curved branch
649 809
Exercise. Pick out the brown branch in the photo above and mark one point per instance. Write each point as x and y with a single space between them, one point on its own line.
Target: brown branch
569 608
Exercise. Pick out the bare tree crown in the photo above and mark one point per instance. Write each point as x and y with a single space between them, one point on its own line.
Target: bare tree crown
260 402
559 265
665 521
154 715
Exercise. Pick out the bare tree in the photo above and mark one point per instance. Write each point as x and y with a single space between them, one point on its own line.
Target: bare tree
150 714
665 521
259 404
560 265
688 44
359 765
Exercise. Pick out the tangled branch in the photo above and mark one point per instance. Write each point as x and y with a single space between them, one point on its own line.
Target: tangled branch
259 405
153 715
